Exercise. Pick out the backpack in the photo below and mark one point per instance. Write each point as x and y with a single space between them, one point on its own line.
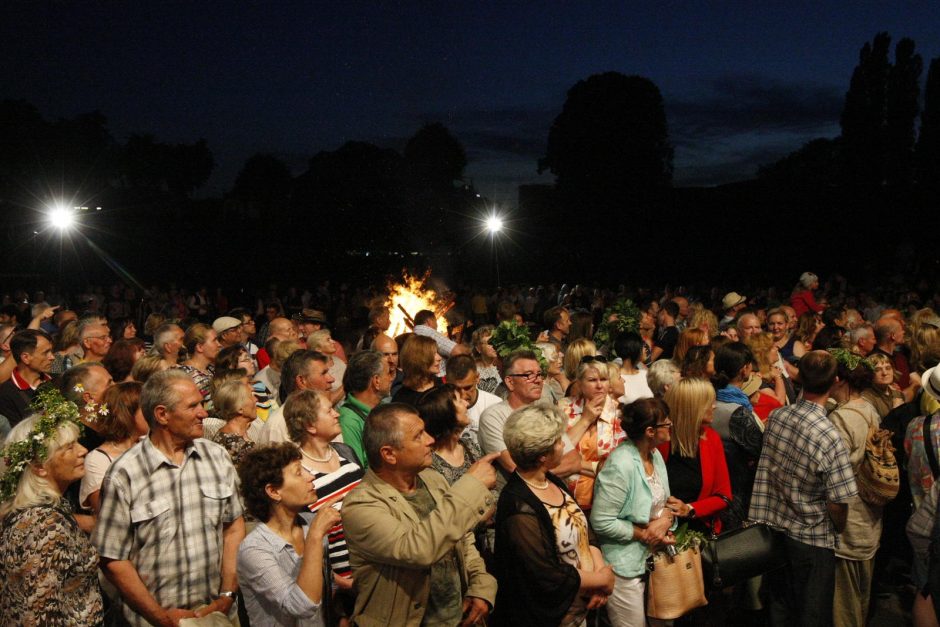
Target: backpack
878 476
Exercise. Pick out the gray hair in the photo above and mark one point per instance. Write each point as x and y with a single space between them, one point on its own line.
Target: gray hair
229 398
161 389
549 350
86 324
361 368
859 333
164 334
383 428
661 376
531 432
32 489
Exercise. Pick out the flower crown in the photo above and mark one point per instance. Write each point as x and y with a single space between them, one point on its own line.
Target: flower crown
849 359
55 410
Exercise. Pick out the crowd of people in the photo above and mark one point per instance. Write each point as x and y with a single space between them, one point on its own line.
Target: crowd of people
199 459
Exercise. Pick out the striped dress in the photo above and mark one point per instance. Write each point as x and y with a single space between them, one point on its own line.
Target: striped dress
328 485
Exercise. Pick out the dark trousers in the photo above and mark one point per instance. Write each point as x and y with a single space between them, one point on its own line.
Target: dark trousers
802 593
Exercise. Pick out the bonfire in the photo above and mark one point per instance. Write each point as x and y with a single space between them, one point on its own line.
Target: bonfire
408 297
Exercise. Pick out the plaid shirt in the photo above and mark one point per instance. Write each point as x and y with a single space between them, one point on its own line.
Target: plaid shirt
167 520
803 465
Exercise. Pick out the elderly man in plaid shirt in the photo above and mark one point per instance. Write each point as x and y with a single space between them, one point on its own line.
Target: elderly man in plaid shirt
171 521
803 486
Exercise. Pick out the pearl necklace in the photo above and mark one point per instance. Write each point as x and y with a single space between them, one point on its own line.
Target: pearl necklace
317 459
533 485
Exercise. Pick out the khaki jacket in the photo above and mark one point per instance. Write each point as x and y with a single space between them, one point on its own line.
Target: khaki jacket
391 549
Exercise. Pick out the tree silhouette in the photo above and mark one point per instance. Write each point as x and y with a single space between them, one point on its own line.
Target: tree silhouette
928 142
435 157
263 185
863 116
609 143
901 109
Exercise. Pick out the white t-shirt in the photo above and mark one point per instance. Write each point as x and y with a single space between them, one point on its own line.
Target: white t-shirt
635 387
484 401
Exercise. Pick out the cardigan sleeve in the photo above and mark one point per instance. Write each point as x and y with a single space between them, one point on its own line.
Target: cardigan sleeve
712 455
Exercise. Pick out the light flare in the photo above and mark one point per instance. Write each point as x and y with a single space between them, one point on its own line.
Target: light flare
411 296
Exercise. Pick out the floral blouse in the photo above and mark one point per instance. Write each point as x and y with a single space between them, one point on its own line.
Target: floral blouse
48 569
236 445
595 445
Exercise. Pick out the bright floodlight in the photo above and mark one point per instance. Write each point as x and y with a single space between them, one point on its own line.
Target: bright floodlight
494 224
62 218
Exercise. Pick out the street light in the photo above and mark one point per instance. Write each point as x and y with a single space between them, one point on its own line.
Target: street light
494 224
61 218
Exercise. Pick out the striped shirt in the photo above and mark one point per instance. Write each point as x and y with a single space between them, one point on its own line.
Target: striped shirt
803 465
168 520
328 485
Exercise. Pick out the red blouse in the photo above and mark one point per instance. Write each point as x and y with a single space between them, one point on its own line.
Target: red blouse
715 478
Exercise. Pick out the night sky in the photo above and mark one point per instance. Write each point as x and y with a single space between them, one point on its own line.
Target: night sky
744 82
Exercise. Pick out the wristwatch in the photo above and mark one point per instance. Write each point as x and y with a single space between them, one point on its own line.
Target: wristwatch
227 593
691 513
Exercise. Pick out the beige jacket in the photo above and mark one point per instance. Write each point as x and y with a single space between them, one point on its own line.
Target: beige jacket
391 549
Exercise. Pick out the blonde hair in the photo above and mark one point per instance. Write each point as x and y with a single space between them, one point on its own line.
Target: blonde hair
925 343
613 370
229 398
597 366
531 432
32 489
283 350
147 366
688 400
705 318
576 350
760 344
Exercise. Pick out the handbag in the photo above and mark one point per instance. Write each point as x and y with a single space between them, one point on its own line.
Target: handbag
740 554
675 585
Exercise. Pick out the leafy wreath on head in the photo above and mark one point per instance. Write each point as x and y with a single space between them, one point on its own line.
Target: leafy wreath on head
510 336
55 410
621 317
849 359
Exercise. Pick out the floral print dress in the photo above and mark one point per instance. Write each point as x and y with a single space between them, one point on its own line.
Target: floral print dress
595 445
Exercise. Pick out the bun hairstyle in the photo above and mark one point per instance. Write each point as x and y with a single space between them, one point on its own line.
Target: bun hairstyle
729 359
641 414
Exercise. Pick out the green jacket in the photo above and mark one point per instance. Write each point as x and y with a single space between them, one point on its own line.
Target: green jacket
352 419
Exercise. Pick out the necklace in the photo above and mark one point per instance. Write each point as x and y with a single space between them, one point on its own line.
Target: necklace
317 459
543 486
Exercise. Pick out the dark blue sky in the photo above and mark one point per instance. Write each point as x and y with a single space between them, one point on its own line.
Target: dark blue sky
744 82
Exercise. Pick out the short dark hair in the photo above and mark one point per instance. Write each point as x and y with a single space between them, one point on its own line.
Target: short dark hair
361 368
522 353
642 414
552 316
460 366
672 308
729 359
382 428
423 316
25 341
439 411
297 363
261 467
629 345
818 371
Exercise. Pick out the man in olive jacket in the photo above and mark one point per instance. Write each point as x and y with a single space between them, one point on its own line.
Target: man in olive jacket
410 534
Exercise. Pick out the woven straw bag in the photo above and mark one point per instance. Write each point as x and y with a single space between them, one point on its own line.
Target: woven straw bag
675 586
878 477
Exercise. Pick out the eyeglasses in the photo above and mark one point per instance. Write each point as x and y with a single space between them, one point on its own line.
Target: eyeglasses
529 376
98 337
589 358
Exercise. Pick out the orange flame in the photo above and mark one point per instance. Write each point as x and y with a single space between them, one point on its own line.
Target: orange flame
412 296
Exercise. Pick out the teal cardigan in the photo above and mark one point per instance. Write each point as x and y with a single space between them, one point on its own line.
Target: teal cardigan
622 498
